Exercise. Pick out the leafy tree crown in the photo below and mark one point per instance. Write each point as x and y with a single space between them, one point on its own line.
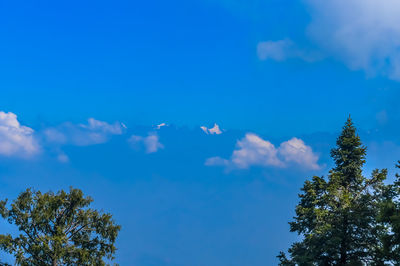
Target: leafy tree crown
58 229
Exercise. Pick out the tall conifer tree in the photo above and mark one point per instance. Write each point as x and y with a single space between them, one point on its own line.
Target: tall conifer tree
336 216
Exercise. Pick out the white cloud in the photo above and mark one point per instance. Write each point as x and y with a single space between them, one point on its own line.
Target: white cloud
151 143
161 125
252 150
94 132
213 131
15 139
363 34
295 150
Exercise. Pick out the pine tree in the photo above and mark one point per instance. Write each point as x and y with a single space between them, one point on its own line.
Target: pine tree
389 216
336 216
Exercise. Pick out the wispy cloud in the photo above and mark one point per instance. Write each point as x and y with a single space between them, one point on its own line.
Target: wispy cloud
363 34
151 142
94 132
15 139
282 50
62 157
252 150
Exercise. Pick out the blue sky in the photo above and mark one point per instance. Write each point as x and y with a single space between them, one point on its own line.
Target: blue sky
85 84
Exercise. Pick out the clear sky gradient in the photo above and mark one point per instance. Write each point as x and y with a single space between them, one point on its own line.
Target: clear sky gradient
84 85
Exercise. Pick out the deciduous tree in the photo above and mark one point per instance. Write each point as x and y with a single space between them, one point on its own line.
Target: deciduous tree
58 229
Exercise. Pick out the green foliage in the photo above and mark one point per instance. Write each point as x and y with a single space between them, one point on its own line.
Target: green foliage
390 217
336 216
58 229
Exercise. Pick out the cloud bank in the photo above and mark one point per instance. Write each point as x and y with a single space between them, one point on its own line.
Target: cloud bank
20 141
252 150
15 139
363 34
